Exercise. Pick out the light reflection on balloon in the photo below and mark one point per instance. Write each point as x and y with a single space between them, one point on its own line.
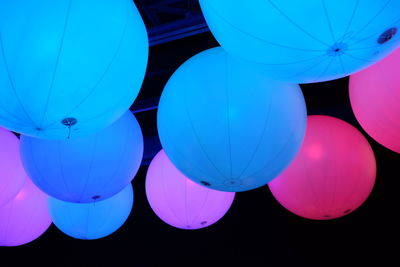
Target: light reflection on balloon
25 217
331 176
374 96
12 174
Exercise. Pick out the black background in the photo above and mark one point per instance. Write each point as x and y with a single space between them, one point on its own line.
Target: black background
256 231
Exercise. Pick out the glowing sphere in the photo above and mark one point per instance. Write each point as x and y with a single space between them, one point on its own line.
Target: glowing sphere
69 68
86 169
25 217
374 96
332 175
180 202
12 174
92 220
227 126
305 41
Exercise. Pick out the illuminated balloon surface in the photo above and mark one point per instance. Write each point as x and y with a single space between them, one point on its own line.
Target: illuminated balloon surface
305 41
24 218
374 96
226 126
69 68
180 202
332 175
86 169
12 174
92 220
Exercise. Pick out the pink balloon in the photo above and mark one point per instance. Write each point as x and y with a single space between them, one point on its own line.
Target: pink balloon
180 202
375 96
12 173
331 176
24 218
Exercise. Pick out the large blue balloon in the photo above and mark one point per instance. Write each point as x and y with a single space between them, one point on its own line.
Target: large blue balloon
85 169
69 68
306 40
92 220
226 126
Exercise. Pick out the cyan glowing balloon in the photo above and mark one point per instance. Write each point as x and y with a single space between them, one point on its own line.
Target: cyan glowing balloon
12 173
226 126
69 68
25 217
305 41
86 169
180 202
92 220
331 176
374 97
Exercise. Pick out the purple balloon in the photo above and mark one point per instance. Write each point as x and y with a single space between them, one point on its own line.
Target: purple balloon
180 202
24 218
12 174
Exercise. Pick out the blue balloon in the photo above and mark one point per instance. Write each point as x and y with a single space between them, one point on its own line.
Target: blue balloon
306 41
226 126
69 68
85 169
92 220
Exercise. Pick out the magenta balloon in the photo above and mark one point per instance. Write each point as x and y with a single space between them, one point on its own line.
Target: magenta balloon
332 175
24 218
180 202
374 96
12 174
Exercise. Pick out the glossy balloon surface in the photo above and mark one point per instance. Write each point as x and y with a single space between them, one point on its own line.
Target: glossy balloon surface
92 220
306 41
225 125
24 218
375 96
180 202
12 173
69 68
332 175
86 169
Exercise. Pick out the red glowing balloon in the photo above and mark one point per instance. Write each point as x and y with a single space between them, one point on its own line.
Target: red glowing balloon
374 96
331 176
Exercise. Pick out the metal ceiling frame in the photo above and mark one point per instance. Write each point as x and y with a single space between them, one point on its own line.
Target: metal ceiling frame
190 22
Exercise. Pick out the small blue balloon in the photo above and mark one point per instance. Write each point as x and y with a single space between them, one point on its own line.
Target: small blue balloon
86 169
92 220
227 126
69 68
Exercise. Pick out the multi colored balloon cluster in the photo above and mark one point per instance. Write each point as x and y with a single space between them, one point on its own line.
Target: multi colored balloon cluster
230 119
67 83
233 118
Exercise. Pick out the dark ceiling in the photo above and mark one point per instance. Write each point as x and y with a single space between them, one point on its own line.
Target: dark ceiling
168 20
257 231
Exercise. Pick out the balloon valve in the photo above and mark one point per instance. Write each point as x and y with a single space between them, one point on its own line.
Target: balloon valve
387 35
69 122
346 211
337 49
96 197
205 183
